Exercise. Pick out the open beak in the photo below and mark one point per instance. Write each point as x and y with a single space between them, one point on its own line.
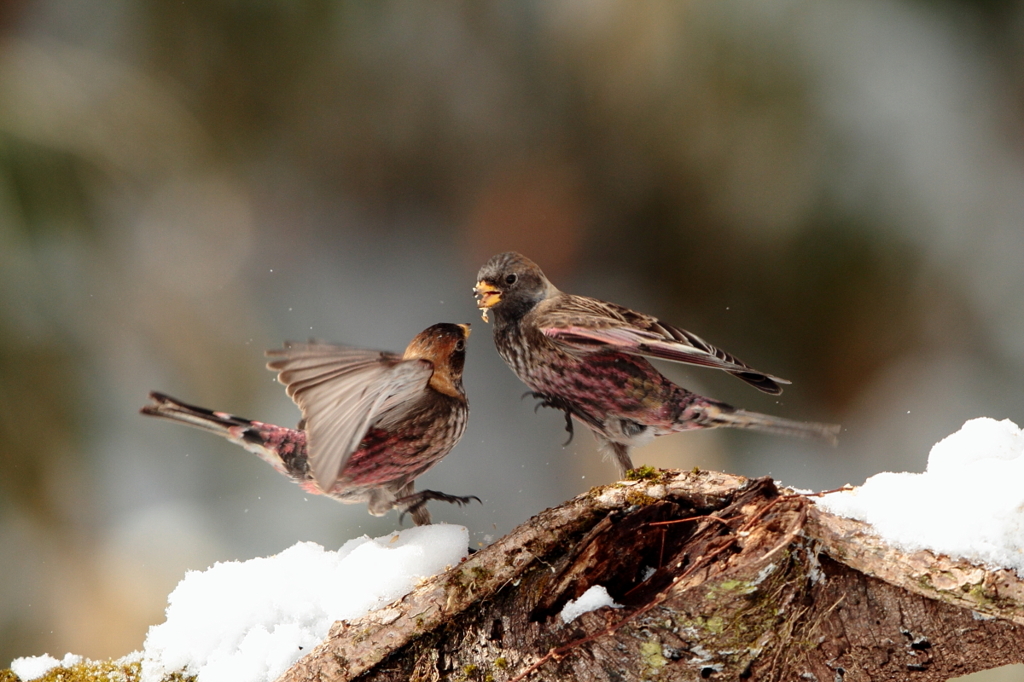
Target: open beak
487 296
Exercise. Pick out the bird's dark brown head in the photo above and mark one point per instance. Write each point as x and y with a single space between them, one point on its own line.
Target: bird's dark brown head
511 284
444 345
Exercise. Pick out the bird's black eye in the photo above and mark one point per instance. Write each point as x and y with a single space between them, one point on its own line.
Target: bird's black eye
511 279
460 345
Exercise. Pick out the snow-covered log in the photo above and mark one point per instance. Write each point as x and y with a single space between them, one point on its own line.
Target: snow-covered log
717 576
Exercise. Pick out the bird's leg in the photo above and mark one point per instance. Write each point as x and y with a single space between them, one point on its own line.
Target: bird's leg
622 458
414 504
558 404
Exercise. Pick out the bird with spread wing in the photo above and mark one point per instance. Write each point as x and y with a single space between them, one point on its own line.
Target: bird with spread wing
372 421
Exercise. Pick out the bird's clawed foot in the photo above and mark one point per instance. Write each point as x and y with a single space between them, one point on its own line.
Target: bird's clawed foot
415 504
557 404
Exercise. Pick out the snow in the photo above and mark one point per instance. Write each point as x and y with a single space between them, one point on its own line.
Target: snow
968 504
250 621
31 667
591 600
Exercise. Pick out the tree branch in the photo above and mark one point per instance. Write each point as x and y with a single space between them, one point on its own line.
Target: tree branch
721 578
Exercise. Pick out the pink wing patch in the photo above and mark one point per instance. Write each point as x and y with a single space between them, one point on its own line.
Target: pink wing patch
640 342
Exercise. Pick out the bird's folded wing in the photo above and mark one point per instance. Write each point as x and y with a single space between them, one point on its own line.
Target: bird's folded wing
341 391
659 341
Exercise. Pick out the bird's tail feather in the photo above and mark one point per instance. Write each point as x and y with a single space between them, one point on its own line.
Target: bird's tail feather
741 419
284 449
170 408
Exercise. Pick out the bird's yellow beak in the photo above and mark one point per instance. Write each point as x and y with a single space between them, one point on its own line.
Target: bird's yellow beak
487 296
466 331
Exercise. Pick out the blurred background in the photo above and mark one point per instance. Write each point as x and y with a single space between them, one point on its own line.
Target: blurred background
832 191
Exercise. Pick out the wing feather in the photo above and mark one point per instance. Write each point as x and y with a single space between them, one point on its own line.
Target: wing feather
590 325
341 392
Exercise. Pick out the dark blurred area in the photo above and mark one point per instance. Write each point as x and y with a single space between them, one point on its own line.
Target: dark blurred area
832 191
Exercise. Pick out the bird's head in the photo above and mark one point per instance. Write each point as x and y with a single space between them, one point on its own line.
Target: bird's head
444 345
511 284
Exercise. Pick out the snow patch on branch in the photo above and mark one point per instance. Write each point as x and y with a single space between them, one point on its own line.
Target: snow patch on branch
591 600
32 667
250 621
968 504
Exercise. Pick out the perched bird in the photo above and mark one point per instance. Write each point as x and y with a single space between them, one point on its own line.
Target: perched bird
372 421
588 358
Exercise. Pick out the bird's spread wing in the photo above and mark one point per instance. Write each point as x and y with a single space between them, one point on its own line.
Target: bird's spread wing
341 391
591 325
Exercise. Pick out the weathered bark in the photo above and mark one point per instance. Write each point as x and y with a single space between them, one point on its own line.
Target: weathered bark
757 584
